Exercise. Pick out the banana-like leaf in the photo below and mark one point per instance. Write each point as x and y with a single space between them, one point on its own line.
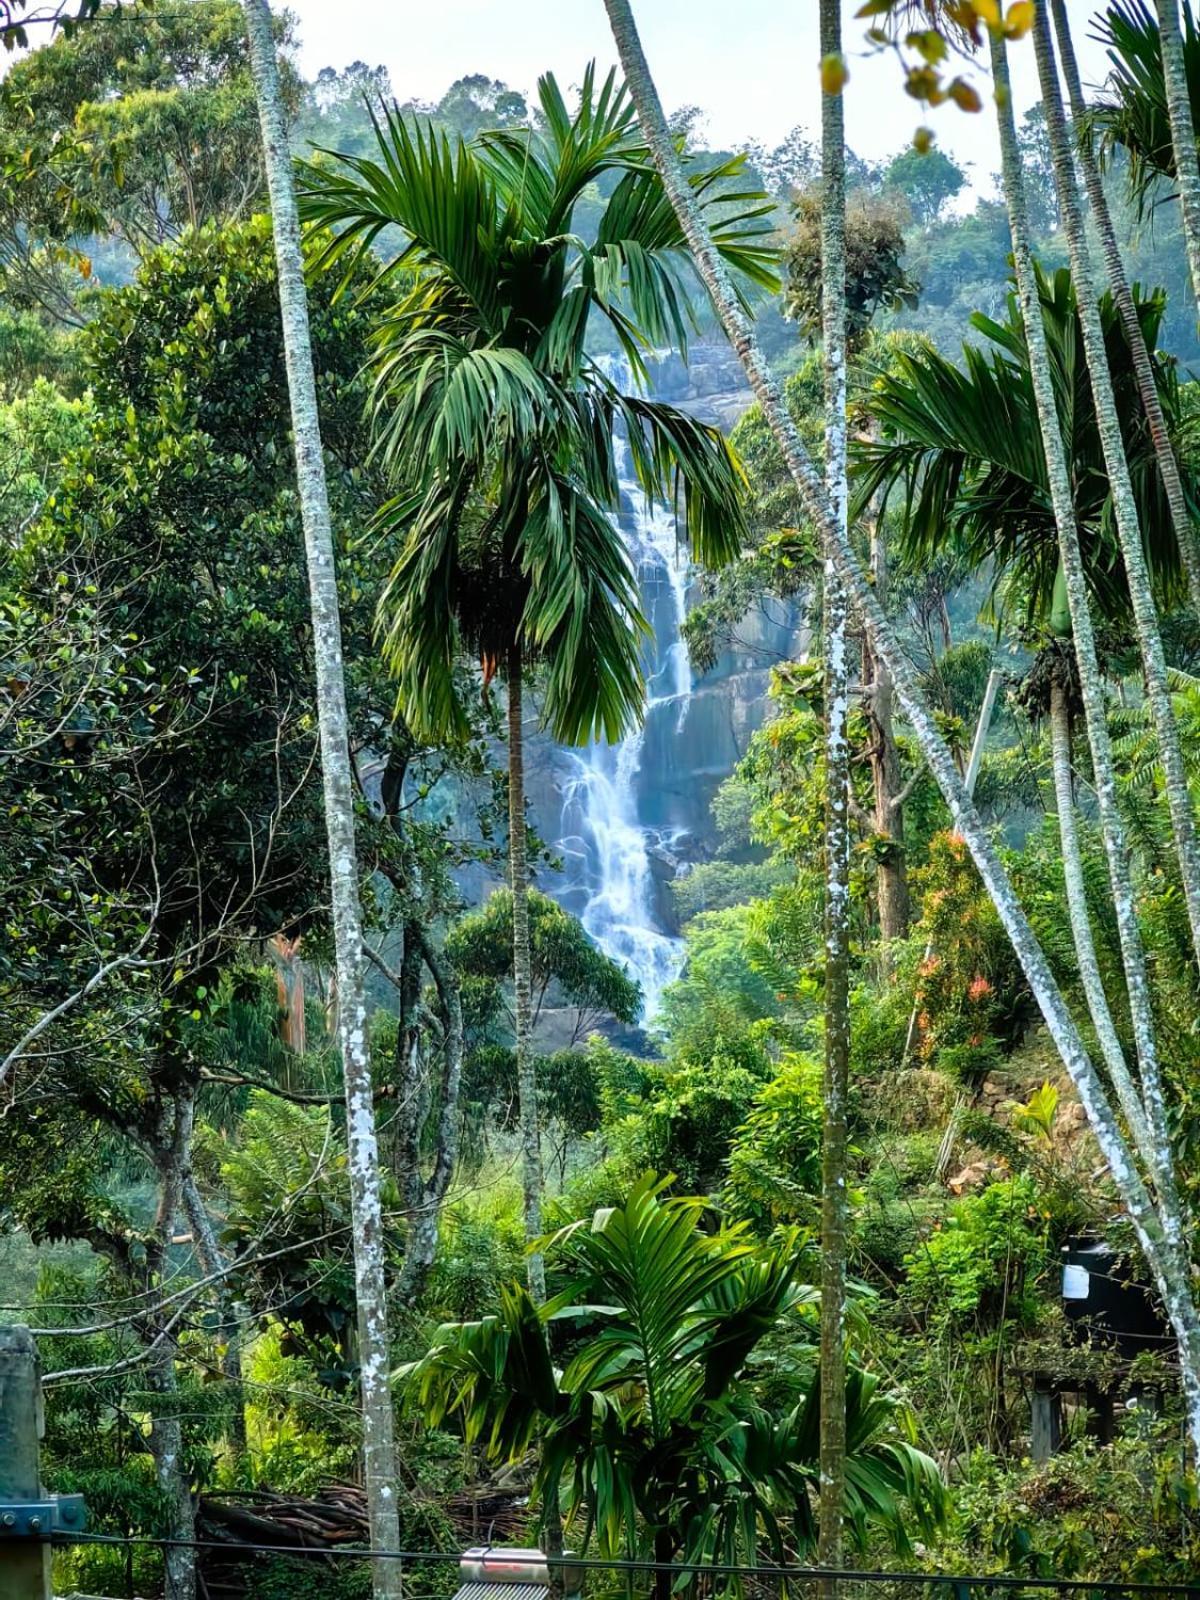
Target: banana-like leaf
654 1431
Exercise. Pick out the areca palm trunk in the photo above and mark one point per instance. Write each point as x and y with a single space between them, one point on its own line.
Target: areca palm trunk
1090 679
1164 450
370 1284
1166 1267
834 1151
891 872
518 867
1081 922
1183 132
1145 614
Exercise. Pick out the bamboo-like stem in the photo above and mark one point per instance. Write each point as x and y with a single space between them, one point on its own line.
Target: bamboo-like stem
1164 451
1113 1147
834 1137
370 1281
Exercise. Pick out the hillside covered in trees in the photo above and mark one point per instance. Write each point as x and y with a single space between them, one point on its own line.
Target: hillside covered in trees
599 760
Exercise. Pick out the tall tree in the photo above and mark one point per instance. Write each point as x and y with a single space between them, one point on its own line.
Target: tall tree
1145 614
497 425
1001 460
875 280
834 1141
1172 1281
118 136
1183 132
1124 499
1182 521
379 1453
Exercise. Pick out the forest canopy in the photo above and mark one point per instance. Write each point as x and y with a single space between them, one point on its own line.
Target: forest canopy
599 759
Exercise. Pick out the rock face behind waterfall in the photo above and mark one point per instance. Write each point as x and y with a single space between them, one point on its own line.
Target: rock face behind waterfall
626 821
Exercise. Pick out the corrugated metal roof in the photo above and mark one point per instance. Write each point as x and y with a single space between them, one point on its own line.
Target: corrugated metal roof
503 1591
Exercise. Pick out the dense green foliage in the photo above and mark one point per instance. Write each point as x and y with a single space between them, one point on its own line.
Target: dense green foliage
174 1183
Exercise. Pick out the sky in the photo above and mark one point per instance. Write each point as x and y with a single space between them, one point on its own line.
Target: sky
750 64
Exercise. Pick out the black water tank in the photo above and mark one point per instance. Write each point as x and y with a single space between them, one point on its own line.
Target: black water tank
1106 1301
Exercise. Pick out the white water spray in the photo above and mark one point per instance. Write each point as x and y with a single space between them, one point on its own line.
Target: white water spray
600 798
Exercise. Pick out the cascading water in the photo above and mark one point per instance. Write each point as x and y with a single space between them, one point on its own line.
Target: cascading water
602 836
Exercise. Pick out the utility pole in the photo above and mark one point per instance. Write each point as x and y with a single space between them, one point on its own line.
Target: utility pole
27 1515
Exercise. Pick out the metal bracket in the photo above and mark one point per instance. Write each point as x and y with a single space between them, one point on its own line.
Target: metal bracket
38 1519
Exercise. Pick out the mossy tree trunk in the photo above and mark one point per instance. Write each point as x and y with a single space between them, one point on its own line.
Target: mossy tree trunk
1145 614
1183 132
834 1152
518 868
370 1282
1143 1214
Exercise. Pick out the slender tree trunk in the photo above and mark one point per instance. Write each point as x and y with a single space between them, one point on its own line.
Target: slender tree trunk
1081 923
370 1282
834 1153
1095 704
212 1261
170 1150
531 1141
1168 1258
891 870
1129 532
1145 614
1183 132
1091 683
1164 1263
1164 450
421 1246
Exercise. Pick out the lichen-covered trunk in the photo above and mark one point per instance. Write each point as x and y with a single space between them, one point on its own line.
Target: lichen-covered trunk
891 868
212 1263
421 1244
370 1283
1183 133
518 872
1143 1215
835 1086
1114 266
1124 503
1081 924
170 1149
1087 662
1145 613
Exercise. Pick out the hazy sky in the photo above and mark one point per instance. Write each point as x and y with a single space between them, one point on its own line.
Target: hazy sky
751 64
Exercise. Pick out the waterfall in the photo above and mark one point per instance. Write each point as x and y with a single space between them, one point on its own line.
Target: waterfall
603 838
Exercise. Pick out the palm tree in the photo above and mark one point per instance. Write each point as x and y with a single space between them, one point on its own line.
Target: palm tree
652 1438
1182 521
1145 614
1145 1217
497 424
379 1456
1134 113
1156 84
836 1085
965 444
961 439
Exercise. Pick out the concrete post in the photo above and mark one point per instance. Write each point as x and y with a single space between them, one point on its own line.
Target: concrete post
24 1560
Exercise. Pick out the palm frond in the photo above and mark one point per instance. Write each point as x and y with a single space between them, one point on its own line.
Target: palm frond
1132 115
962 445
434 190
583 616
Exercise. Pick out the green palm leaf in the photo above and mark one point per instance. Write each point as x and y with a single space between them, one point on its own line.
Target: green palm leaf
653 1437
1132 115
963 447
493 423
